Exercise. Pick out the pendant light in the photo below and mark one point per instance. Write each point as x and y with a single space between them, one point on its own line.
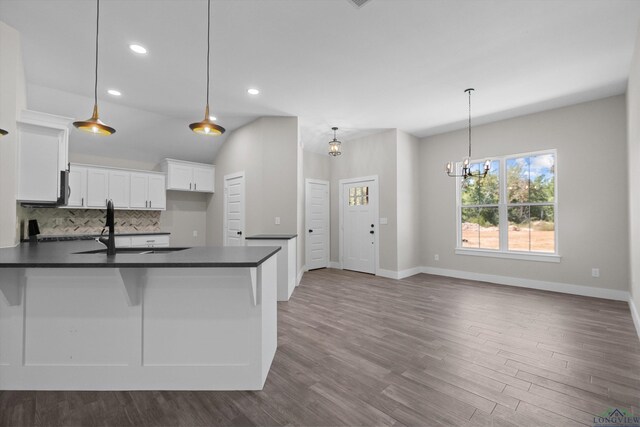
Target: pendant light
3 132
207 126
334 145
94 124
466 167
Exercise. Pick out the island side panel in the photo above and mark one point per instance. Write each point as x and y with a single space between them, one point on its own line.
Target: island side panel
192 329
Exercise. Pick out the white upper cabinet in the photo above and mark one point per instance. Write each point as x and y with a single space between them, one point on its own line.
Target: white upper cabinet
189 176
43 151
78 186
92 186
119 188
97 187
147 191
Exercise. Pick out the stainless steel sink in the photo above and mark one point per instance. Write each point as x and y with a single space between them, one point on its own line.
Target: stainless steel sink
134 251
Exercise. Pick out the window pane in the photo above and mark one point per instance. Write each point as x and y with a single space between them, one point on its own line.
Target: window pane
470 228
542 178
542 229
518 234
489 231
518 180
531 179
484 191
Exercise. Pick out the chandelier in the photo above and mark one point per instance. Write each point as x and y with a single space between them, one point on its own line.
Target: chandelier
466 171
334 145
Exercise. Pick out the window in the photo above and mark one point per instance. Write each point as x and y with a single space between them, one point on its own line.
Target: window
358 196
513 209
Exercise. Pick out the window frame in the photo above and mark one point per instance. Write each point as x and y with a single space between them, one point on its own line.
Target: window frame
503 206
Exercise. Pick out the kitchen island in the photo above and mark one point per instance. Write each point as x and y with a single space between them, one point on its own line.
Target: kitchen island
162 319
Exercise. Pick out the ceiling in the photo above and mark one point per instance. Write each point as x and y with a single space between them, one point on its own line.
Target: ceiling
389 64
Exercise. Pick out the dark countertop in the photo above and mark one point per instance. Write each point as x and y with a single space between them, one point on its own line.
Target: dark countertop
271 237
64 255
88 236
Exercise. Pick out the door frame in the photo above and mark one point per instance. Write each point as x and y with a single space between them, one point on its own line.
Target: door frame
328 222
373 179
224 205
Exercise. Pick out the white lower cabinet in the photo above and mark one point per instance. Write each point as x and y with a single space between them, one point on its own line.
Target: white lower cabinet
143 241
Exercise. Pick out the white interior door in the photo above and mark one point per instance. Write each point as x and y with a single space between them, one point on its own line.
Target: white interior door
317 223
233 223
359 229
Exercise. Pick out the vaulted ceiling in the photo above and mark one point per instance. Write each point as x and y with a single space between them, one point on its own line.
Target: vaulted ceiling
388 64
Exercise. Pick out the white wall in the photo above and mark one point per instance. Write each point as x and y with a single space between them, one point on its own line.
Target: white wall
408 207
633 122
186 212
266 150
12 101
590 139
370 155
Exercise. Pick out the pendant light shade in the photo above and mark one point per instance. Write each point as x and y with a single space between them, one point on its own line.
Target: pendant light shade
3 132
334 145
94 124
207 126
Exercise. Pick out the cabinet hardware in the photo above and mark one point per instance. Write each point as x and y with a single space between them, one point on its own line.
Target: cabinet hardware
149 203
189 186
195 186
82 202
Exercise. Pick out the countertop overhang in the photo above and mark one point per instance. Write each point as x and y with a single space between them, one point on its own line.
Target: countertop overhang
271 237
65 255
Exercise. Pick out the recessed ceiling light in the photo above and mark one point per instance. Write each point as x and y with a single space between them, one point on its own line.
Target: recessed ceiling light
138 49
114 92
253 91
213 118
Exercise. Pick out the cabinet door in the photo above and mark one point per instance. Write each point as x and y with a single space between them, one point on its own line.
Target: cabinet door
180 177
203 179
38 168
97 188
78 186
139 191
119 188
157 192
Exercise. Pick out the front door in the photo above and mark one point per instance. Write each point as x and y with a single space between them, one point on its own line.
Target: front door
233 224
359 200
317 223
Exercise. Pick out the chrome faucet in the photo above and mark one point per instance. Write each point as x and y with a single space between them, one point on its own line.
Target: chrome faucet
109 242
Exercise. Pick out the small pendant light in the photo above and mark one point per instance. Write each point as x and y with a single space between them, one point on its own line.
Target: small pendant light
94 124
207 126
3 132
334 145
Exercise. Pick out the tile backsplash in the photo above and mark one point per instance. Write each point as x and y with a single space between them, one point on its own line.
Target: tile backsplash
55 221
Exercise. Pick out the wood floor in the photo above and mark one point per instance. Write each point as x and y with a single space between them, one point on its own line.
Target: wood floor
360 350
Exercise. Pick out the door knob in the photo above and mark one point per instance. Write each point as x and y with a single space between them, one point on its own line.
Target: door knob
239 233
310 231
371 232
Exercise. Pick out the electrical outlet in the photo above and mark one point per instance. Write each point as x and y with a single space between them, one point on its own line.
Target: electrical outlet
595 272
277 220
195 233
436 257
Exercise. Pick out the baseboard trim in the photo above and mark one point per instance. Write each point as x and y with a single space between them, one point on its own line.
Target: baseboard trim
334 264
300 274
635 315
565 288
389 274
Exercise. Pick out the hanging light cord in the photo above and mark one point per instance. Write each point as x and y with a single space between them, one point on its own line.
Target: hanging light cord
95 86
208 46
469 91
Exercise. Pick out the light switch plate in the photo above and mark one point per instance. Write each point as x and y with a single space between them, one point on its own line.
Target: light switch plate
277 220
195 233
384 221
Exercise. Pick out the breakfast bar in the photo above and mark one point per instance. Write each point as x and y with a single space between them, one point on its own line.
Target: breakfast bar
73 318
